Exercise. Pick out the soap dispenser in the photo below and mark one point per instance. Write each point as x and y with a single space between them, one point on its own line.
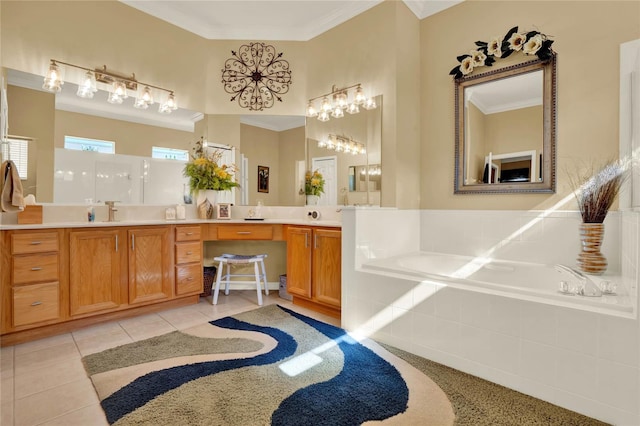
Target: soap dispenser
91 212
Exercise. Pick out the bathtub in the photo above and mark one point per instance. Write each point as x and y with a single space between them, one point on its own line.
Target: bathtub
522 280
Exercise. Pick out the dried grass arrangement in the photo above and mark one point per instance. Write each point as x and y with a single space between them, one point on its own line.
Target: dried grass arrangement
597 189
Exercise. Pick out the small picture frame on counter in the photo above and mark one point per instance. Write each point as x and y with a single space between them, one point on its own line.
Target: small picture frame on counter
223 211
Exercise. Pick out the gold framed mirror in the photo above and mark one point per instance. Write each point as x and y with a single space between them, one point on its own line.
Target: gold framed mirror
506 130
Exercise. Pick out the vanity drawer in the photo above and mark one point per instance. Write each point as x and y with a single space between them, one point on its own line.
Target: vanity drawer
35 303
187 233
188 252
189 279
245 232
34 242
35 268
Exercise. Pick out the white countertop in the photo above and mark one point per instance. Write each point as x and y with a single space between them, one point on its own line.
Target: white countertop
75 216
328 223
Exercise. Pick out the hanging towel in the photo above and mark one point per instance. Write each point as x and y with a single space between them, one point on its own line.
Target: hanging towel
11 198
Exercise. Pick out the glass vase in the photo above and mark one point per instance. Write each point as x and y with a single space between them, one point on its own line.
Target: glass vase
590 259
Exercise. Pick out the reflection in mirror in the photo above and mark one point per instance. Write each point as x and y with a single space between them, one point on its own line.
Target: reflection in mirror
338 166
365 178
47 118
505 130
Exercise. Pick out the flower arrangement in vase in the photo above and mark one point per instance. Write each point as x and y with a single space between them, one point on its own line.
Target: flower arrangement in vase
205 173
313 186
595 193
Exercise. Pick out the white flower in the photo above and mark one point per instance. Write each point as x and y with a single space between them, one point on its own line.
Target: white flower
478 58
466 66
516 40
532 45
495 47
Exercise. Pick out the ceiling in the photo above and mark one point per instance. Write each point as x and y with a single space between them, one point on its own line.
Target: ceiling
296 20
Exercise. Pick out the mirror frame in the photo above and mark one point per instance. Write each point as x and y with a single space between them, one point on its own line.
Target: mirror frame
548 163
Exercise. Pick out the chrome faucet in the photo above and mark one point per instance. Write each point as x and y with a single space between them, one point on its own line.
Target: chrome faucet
587 286
112 210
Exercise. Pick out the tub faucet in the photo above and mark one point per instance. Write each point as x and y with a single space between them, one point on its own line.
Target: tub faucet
587 286
112 210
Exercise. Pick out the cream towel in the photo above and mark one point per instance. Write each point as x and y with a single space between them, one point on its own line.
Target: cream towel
11 197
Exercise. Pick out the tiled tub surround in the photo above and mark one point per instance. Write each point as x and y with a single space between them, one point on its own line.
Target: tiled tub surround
585 361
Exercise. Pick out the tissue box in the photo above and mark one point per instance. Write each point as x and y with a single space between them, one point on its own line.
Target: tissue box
31 214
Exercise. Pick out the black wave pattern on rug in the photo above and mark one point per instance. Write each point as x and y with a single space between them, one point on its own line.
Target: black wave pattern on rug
368 387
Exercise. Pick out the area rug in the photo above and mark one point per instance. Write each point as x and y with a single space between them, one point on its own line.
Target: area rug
266 366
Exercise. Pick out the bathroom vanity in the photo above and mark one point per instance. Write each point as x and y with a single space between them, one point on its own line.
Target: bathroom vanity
58 279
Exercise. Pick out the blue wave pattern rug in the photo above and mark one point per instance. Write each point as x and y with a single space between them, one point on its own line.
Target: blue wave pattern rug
267 366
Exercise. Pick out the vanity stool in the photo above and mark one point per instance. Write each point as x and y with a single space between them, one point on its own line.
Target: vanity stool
241 259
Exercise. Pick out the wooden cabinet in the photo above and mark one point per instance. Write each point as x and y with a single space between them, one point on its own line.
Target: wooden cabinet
327 271
34 280
188 254
149 265
96 258
299 261
314 267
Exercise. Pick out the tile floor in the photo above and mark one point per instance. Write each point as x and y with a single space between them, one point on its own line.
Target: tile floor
43 382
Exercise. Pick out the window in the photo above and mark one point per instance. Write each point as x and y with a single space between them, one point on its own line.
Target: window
17 150
82 144
169 153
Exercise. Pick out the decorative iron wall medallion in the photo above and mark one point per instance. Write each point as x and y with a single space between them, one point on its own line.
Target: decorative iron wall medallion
256 75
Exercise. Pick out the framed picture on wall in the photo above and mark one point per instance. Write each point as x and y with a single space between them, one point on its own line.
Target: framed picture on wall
223 211
263 179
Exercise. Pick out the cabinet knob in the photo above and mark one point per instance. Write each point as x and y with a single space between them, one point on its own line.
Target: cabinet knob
189 278
189 233
36 268
36 303
35 243
189 252
244 232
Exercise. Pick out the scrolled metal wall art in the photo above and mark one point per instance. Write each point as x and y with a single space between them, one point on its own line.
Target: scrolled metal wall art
256 75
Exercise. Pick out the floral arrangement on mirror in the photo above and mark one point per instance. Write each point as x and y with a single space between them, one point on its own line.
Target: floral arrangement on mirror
313 183
595 191
530 43
205 172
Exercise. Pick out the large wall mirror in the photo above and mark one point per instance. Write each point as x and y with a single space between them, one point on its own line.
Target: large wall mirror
352 177
505 130
131 176
287 145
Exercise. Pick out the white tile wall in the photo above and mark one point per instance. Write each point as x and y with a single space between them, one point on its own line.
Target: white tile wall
584 361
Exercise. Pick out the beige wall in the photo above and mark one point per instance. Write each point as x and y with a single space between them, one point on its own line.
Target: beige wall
130 138
32 115
475 138
278 150
261 147
587 80
523 123
291 151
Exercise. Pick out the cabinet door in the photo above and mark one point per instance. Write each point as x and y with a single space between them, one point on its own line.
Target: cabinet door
94 273
327 254
299 261
150 264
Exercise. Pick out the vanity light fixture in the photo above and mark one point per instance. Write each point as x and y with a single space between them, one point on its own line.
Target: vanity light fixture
119 86
335 104
342 144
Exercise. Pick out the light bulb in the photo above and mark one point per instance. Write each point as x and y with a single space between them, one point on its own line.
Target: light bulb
326 105
52 81
311 110
323 116
359 97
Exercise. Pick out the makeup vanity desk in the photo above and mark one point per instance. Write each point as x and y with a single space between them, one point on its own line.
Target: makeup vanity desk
56 278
